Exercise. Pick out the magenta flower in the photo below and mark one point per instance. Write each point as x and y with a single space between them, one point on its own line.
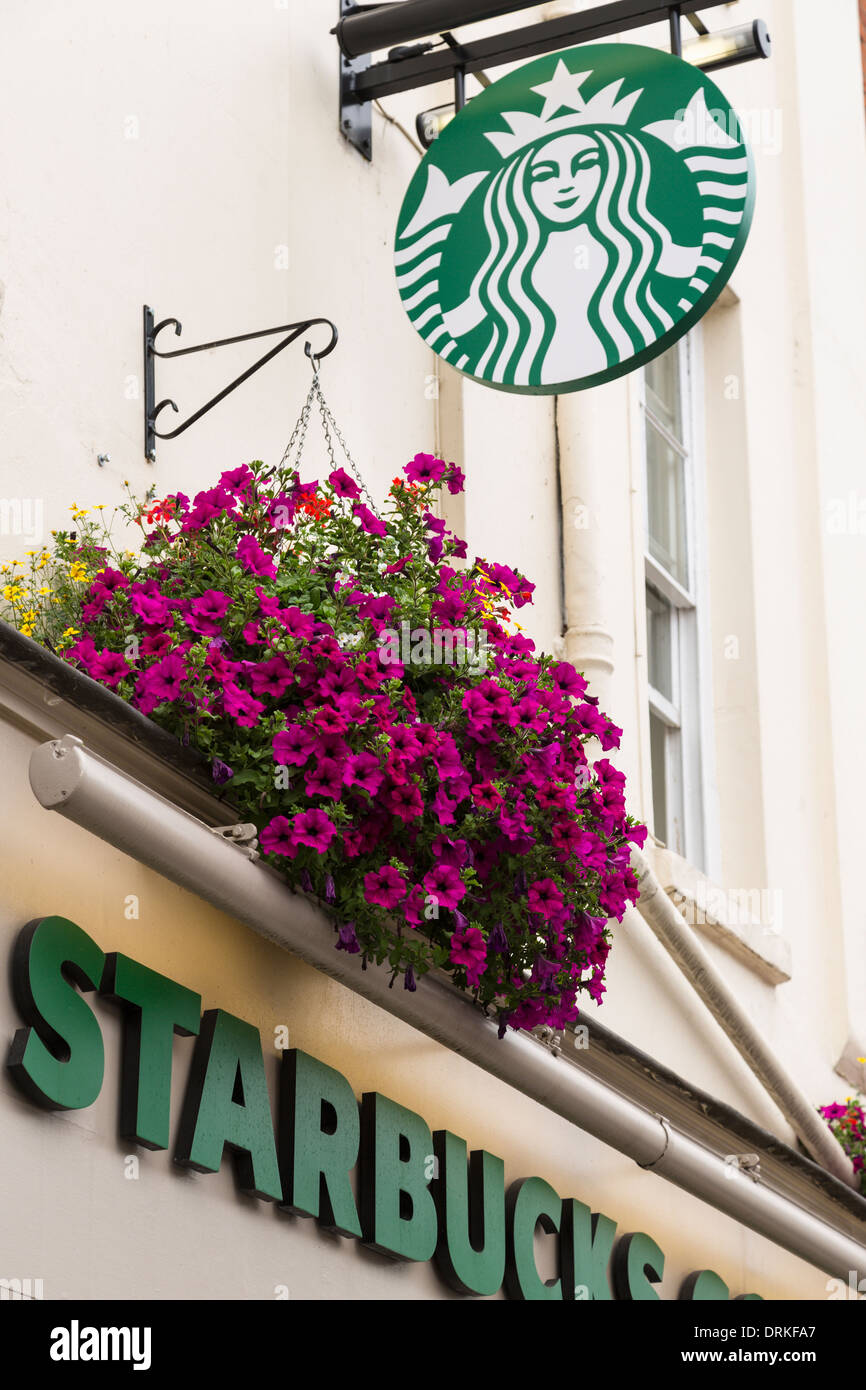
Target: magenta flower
112 579
444 885
413 907
343 485
253 559
296 623
315 829
486 797
369 523
424 468
271 677
325 778
385 887
109 667
363 770
467 948
237 480
241 706
278 837
293 745
206 613
150 608
405 802
545 898
568 679
160 682
456 479
207 506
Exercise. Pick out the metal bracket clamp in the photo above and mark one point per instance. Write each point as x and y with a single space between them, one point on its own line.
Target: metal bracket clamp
243 836
551 1037
665 1124
356 117
749 1164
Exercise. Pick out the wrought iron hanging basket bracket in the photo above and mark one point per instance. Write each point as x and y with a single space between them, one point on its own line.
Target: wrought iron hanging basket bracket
153 408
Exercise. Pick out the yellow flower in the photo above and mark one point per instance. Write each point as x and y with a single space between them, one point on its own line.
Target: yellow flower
29 616
43 591
4 569
71 632
79 511
78 571
27 631
11 592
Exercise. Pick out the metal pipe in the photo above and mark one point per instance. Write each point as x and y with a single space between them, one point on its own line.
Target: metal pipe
389 25
67 777
681 943
676 33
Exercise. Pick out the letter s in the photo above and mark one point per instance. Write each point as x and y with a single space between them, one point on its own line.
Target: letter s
58 1060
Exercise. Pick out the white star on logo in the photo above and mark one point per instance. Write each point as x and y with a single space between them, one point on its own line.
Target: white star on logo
563 89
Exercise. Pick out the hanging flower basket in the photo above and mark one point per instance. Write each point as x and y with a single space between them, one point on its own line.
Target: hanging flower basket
368 699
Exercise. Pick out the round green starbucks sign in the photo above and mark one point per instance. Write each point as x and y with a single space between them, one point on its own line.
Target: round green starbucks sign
575 219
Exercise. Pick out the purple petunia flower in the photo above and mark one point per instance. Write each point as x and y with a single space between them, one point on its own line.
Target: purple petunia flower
445 885
385 887
424 468
348 940
253 559
315 829
343 485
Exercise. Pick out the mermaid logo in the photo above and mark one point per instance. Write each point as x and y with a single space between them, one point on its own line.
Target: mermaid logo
575 219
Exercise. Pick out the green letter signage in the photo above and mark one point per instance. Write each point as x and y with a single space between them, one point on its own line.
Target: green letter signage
470 1252
586 1240
155 1008
637 1265
705 1285
59 1059
398 1213
227 1103
530 1202
575 219
319 1135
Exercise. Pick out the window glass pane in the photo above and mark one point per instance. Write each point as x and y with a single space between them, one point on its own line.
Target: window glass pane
658 742
666 505
663 394
659 645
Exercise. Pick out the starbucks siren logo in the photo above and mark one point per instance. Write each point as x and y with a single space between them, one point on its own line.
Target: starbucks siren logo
575 219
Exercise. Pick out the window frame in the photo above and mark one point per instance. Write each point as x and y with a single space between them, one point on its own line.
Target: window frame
689 763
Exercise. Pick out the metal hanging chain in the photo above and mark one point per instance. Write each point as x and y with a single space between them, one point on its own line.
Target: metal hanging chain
328 424
299 433
331 431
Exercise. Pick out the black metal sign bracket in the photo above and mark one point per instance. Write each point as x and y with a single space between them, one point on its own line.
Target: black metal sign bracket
366 29
152 407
